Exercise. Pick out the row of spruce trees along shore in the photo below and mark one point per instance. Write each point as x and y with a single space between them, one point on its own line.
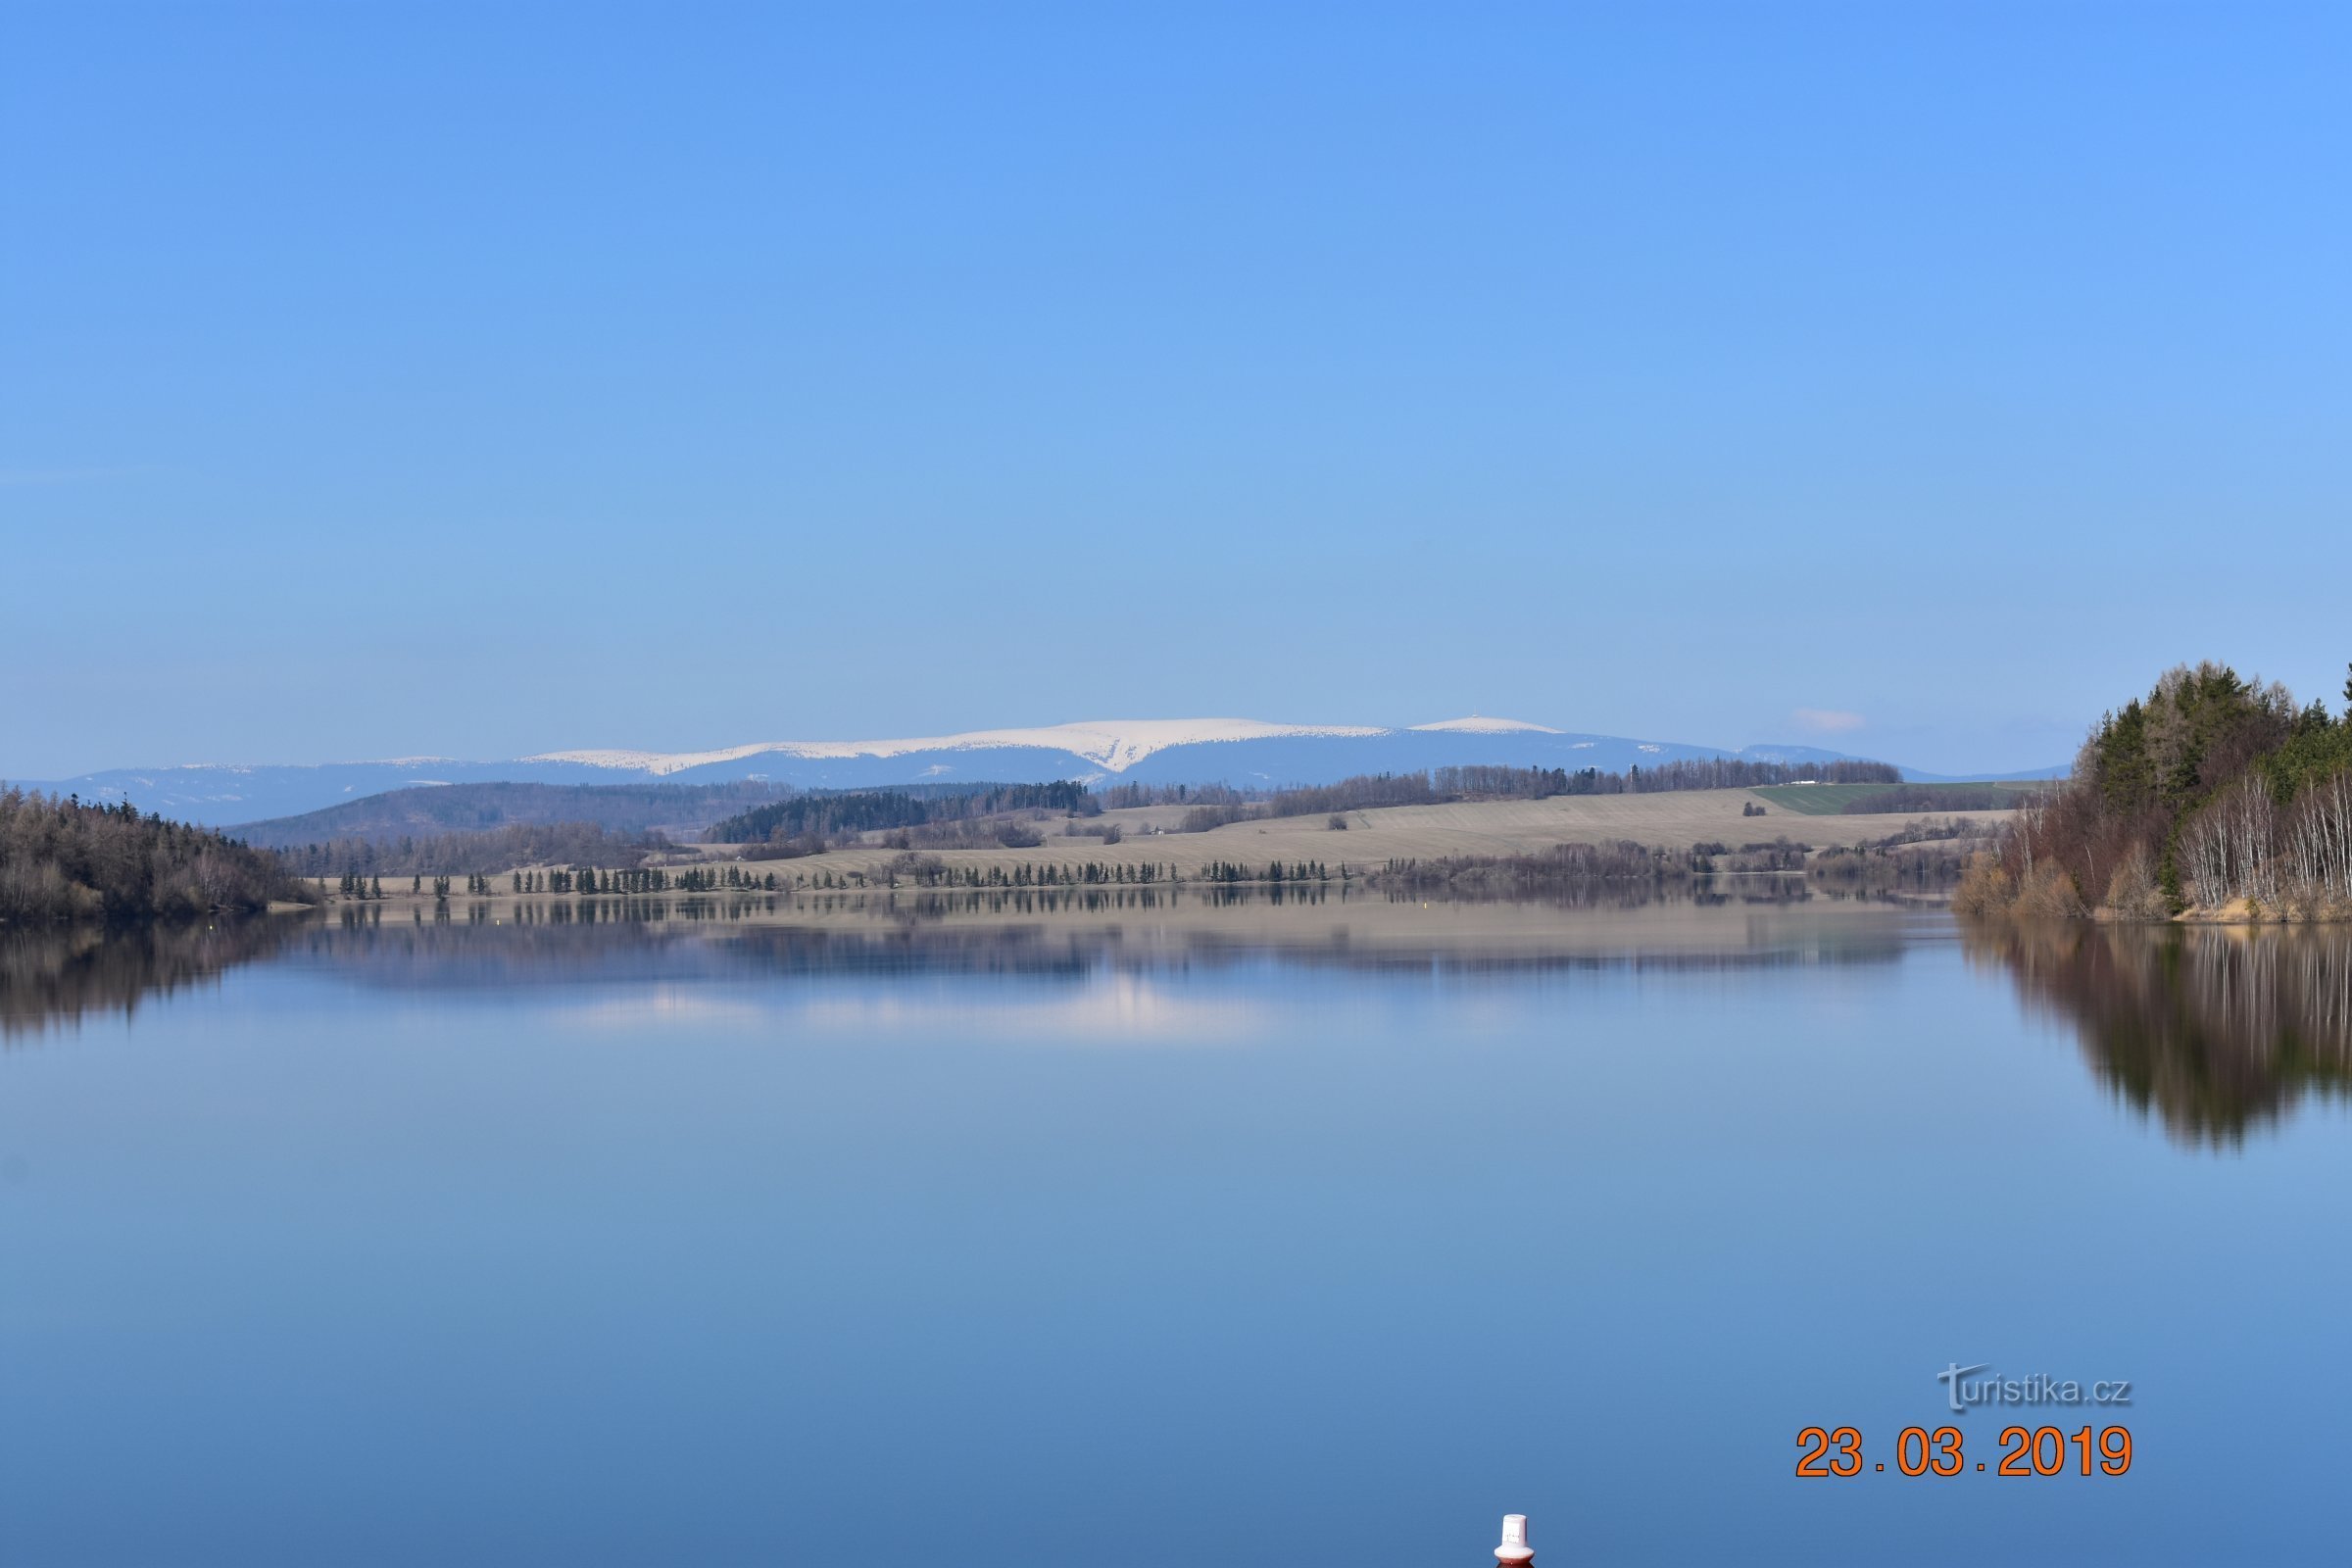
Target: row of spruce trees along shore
2211 790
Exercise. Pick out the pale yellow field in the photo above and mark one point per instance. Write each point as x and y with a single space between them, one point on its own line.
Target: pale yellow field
1673 820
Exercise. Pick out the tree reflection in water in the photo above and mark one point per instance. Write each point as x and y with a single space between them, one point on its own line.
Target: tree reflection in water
2217 1030
58 974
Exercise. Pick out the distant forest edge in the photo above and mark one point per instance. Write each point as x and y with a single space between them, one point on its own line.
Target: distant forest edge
812 818
476 852
1446 786
2213 793
61 859
481 828
806 822
1900 799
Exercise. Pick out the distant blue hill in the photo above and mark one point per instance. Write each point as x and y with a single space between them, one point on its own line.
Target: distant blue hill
2021 776
1244 753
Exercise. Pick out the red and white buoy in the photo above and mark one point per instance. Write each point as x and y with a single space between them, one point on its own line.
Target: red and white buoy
1514 1548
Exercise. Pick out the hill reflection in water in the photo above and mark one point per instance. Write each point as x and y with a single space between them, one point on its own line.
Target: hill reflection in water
57 977
2215 1031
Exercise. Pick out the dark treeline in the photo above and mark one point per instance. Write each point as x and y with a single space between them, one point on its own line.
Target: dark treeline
1782 853
567 881
1271 872
931 871
61 859
1728 774
1446 785
915 869
1497 783
1369 791
1542 873
1919 858
822 817
2210 790
462 853
584 881
1914 797
1126 796
1922 855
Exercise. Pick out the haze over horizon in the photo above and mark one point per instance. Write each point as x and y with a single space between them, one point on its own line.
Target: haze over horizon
482 384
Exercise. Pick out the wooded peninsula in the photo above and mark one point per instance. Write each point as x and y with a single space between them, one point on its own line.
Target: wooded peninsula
2213 797
61 859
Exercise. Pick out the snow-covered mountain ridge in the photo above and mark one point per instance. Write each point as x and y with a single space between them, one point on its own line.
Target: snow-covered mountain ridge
1114 745
1242 751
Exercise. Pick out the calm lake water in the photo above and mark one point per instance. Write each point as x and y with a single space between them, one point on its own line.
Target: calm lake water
1320 1234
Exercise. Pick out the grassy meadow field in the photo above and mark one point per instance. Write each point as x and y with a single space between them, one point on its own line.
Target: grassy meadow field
1829 799
1673 821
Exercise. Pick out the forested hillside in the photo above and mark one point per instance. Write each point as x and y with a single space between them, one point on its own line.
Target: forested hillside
424 813
820 816
2209 790
496 849
61 859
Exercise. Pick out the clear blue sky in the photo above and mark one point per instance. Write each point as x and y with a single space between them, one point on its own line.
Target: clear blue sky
476 380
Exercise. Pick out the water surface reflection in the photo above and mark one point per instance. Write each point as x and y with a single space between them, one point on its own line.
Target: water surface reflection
1072 937
2215 1031
57 975
722 1234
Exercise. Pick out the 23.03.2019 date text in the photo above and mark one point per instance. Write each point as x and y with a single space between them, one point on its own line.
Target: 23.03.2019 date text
1828 1451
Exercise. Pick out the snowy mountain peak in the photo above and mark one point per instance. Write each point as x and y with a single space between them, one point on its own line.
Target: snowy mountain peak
1111 744
1481 725
1244 753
